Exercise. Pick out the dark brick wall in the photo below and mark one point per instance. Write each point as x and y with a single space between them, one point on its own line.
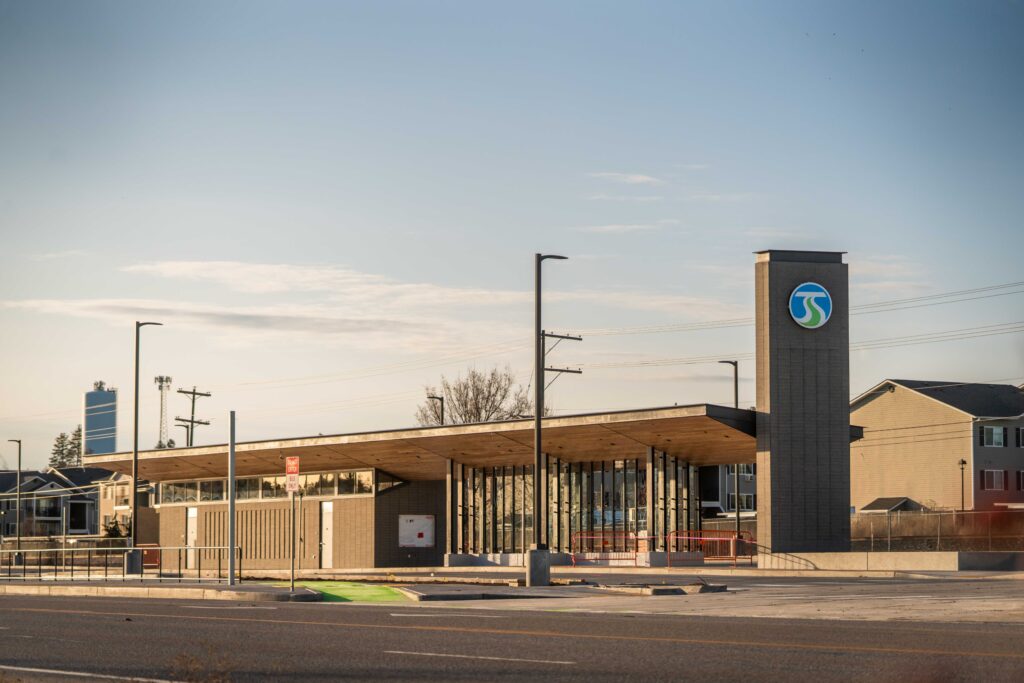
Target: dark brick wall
413 498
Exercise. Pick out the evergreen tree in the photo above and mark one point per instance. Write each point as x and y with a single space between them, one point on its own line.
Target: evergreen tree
59 454
75 447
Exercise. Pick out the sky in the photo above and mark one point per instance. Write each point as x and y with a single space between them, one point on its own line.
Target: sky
330 205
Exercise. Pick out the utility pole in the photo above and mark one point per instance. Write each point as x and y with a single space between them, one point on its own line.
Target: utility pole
192 422
538 570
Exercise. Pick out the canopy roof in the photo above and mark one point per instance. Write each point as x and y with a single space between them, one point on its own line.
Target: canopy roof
700 434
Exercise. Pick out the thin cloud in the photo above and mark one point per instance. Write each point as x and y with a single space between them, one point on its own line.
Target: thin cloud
617 228
628 178
52 255
719 197
200 315
624 198
693 167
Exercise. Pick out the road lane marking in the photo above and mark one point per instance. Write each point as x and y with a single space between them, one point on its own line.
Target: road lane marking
471 616
492 659
79 674
776 645
225 607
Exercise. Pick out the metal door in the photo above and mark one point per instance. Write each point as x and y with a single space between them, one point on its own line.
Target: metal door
191 532
327 534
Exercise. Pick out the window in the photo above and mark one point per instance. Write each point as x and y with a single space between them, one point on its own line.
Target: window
993 436
1020 480
745 470
247 489
746 501
273 487
211 490
993 480
364 481
355 482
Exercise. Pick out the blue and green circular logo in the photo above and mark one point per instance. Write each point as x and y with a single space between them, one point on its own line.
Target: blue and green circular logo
810 304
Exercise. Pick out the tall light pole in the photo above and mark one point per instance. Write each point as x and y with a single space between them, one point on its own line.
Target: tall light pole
135 441
963 465
440 399
736 471
541 573
17 513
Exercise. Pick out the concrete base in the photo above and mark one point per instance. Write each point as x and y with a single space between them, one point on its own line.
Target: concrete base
133 563
538 567
501 559
898 561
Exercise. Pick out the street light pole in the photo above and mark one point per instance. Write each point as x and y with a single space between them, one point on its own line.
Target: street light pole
135 441
736 471
963 464
17 513
539 573
441 400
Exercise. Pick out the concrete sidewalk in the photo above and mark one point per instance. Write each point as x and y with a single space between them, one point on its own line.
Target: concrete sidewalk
178 591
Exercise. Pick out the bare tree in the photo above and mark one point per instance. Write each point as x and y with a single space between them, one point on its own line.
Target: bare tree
477 397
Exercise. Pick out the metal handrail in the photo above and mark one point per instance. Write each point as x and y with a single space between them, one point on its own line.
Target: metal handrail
91 564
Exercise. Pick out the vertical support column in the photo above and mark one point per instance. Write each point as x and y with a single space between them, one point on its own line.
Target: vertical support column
542 514
652 519
663 500
673 504
450 508
460 498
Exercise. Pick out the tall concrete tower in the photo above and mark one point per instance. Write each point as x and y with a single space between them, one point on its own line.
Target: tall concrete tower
803 401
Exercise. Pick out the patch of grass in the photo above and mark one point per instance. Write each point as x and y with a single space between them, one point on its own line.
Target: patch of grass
349 591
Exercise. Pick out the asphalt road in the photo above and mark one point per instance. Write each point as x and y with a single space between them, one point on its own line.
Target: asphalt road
207 641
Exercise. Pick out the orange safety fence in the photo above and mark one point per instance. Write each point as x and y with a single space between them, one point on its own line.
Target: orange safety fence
714 544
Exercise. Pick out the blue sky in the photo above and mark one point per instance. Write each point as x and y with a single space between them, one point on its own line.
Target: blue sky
331 204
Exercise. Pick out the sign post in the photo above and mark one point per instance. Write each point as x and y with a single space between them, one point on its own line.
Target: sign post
291 471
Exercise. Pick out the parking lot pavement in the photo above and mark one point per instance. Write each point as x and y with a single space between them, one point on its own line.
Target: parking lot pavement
946 600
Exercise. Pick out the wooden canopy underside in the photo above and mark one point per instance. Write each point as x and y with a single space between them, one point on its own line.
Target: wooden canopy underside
700 434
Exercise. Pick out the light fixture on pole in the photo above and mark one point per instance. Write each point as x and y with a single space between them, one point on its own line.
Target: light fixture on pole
736 468
17 513
539 561
963 466
439 399
135 442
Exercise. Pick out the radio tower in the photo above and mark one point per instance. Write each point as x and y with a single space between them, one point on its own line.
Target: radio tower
163 385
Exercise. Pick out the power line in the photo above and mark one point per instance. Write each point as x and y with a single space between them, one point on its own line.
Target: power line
870 344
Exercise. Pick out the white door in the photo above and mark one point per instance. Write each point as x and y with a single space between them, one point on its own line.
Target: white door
191 518
326 534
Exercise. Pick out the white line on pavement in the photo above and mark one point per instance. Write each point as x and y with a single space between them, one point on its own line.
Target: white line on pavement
227 607
473 616
79 674
493 659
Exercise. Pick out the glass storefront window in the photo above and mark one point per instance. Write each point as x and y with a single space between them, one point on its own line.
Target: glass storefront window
247 489
211 490
364 481
273 487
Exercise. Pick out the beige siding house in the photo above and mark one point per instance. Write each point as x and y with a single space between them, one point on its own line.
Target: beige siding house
941 445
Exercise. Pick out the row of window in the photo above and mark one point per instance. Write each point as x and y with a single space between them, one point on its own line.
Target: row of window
999 480
350 483
999 437
747 471
748 501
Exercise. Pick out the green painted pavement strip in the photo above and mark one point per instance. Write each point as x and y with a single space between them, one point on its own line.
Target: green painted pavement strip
349 591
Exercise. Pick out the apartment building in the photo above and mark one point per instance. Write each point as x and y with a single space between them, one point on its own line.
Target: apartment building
941 445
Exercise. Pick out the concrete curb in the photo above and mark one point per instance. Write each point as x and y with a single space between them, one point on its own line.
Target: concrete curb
163 592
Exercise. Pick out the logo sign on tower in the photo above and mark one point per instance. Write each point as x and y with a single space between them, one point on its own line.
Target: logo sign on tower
810 304
291 471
